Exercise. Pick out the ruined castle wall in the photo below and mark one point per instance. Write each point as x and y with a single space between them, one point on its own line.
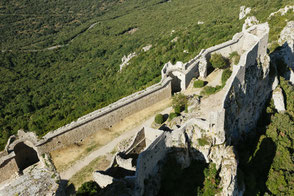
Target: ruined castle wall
138 140
248 90
105 118
193 72
8 167
147 163
227 47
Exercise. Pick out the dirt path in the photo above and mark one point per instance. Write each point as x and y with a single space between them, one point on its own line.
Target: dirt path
109 147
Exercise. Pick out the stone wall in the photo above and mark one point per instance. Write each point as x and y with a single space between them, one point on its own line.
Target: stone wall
105 118
248 88
147 163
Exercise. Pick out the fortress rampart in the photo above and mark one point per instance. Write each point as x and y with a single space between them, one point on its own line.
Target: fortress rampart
106 117
248 88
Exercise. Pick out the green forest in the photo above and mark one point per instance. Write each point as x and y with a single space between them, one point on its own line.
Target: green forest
266 157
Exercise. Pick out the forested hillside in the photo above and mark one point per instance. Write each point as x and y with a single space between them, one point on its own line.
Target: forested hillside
41 91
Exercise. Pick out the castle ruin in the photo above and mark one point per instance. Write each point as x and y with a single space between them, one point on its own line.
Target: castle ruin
245 94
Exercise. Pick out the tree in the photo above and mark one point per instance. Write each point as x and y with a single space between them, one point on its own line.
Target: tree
218 61
159 119
89 188
179 102
199 84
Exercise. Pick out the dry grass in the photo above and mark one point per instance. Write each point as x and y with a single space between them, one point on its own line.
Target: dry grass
66 157
85 174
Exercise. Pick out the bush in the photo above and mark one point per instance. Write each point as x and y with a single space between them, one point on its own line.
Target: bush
89 188
209 90
235 57
172 116
177 109
226 75
159 119
202 142
179 103
218 61
179 99
199 84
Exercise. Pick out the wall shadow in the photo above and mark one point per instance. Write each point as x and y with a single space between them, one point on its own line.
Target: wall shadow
175 84
255 154
176 181
25 156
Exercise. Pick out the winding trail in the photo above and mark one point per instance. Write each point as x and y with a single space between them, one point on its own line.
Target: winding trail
57 46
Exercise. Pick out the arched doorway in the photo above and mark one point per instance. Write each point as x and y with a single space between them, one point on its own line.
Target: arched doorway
175 83
25 156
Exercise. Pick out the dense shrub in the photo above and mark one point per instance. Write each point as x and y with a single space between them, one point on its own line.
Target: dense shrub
267 159
209 90
172 116
234 57
212 181
88 188
177 109
179 103
199 84
218 61
159 119
226 75
202 141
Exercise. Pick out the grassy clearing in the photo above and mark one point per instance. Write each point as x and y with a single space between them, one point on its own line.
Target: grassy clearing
85 174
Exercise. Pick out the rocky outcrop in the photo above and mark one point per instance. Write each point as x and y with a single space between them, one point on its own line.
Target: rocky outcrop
146 48
104 180
278 98
199 146
243 12
125 60
249 22
282 11
291 79
287 42
35 180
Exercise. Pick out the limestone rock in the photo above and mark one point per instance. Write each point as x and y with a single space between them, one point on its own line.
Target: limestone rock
287 33
243 12
282 11
36 181
291 77
249 22
275 83
146 48
175 39
125 60
102 180
228 172
278 98
287 40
